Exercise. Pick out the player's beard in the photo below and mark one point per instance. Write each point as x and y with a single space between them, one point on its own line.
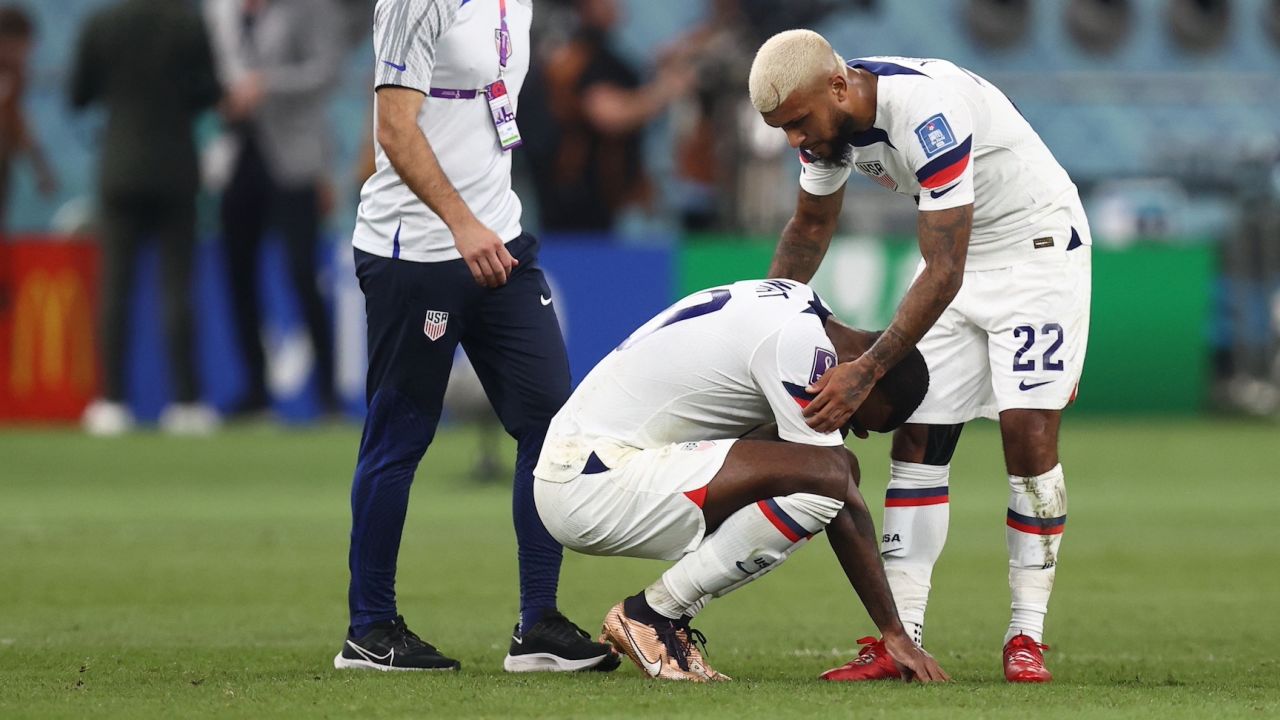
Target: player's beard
842 144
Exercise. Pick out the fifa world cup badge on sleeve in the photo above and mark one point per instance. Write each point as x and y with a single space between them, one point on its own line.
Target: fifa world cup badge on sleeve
935 135
823 360
504 115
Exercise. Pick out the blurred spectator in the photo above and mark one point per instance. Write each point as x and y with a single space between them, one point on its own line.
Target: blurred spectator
706 136
17 34
280 60
592 167
152 91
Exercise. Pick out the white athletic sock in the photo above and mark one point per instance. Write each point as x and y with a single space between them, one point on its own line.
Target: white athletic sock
917 512
752 540
1037 517
693 610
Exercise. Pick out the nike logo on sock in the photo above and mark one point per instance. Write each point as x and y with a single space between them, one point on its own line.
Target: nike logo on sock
516 639
545 300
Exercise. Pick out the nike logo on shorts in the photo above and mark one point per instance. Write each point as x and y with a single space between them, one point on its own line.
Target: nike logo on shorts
545 300
400 68
1024 386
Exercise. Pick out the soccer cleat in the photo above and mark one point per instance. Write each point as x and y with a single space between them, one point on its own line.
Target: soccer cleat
392 646
555 644
692 638
1024 661
666 652
873 663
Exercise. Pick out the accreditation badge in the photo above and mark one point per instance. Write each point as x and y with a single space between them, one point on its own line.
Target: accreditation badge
504 115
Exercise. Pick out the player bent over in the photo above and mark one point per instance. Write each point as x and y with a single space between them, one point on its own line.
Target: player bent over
645 460
999 306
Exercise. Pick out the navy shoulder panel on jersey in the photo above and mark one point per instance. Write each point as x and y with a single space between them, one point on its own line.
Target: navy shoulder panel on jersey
882 68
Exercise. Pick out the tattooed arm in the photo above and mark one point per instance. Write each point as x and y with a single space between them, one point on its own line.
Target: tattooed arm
944 242
806 237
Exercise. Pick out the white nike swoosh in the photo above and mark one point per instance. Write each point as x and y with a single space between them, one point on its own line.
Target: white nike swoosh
390 657
545 300
653 667
517 640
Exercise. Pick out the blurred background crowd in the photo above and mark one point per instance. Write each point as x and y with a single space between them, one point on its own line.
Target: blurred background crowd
178 181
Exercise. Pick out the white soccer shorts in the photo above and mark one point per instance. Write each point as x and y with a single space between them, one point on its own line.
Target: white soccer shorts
1013 338
649 507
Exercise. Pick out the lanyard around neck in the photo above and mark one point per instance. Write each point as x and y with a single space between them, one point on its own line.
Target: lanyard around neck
503 37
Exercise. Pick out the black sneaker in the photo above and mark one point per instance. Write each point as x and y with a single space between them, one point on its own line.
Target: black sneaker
555 644
391 646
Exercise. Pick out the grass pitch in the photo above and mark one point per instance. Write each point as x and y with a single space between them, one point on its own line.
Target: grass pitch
153 576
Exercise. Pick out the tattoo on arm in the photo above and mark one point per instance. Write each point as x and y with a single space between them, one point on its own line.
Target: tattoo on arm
806 237
944 242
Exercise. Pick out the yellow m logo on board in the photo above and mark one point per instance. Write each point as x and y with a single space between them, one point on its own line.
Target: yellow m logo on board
52 334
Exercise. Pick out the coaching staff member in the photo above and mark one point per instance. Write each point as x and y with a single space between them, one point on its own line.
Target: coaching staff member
442 260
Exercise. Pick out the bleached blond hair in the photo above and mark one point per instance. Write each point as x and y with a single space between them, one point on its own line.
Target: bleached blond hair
786 62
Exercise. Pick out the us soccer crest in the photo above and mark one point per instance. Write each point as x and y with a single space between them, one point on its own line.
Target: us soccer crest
437 321
876 171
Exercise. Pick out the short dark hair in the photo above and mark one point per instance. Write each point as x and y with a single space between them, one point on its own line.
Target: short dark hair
15 23
904 386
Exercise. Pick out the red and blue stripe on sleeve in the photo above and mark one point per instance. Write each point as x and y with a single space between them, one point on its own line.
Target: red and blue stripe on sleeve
798 393
945 168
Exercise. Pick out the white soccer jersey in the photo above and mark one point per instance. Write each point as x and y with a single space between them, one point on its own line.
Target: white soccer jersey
448 46
714 366
950 138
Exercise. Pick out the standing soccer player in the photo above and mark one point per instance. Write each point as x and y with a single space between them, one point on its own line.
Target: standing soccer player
442 260
999 306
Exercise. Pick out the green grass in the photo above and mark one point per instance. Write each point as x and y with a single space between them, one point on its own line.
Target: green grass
153 576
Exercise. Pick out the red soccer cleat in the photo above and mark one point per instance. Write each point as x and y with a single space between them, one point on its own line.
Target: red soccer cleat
872 663
1024 661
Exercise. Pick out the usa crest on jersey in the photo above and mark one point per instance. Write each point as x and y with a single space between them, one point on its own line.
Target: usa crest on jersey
437 321
876 171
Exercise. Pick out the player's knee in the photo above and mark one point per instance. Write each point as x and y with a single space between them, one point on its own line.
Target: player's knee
926 444
810 511
830 477
1030 440
909 443
855 470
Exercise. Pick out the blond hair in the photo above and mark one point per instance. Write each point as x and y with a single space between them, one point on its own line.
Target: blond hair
787 62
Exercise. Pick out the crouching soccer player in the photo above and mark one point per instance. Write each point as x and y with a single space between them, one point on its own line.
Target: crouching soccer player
648 459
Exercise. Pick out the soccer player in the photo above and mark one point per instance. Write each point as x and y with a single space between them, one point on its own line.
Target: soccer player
442 261
999 306
648 459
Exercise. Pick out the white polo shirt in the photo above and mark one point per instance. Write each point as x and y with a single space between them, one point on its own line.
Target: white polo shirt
448 45
949 138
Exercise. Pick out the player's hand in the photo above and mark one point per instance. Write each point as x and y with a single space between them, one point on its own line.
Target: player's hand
912 660
486 255
840 391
